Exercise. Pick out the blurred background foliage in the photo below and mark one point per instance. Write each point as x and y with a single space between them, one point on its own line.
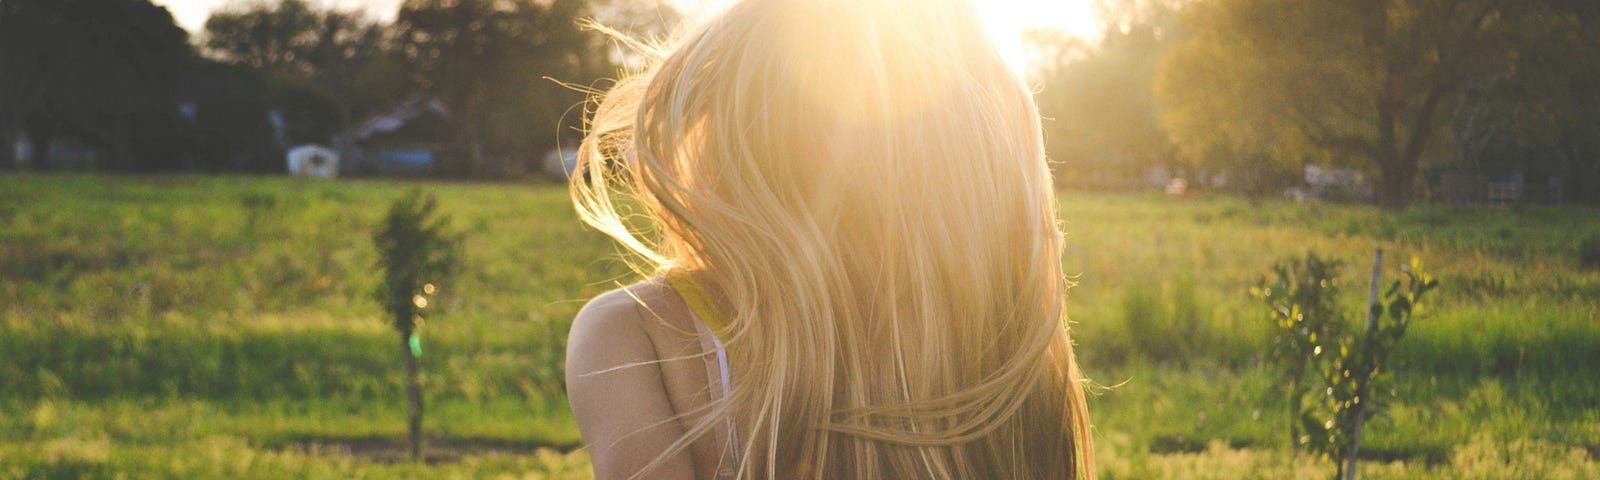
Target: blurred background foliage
1421 99
1243 94
145 96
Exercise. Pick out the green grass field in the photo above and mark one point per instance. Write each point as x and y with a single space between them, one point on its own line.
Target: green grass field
194 326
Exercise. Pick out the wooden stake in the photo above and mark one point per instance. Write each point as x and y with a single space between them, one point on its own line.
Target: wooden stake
1373 308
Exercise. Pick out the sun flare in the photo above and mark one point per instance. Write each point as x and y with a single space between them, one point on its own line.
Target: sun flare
1006 21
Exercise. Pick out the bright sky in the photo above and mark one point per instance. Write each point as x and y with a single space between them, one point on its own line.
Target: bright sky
191 14
1006 19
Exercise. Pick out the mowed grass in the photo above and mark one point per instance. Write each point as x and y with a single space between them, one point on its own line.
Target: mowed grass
194 326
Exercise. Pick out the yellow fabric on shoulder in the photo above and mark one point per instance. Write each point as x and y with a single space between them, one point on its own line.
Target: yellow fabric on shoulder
695 295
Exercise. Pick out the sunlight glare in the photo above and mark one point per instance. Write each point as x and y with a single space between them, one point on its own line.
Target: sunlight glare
1006 21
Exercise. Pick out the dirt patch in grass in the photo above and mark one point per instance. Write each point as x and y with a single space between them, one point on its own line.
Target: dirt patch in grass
436 450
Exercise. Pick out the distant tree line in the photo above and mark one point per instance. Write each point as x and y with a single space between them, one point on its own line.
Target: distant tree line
1409 92
120 80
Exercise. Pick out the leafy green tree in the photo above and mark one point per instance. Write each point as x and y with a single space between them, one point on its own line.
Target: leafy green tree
264 35
1366 83
416 252
1361 367
102 71
1303 300
318 61
1555 86
483 58
1328 413
1103 122
503 68
1541 120
230 128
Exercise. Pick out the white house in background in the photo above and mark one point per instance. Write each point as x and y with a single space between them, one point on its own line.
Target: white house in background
1322 183
313 161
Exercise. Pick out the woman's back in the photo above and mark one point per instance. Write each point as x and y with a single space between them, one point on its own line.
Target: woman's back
858 192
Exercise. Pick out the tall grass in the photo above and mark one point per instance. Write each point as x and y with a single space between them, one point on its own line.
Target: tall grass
183 326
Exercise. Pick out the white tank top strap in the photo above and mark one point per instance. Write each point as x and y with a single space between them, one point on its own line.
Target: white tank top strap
709 341
722 351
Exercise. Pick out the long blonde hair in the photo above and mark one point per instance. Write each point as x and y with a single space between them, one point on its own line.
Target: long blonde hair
861 185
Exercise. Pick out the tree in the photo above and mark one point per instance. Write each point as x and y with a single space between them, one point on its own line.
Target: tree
482 59
1555 86
1311 337
1365 83
228 107
318 61
1103 122
497 64
101 71
416 252
1302 301
268 36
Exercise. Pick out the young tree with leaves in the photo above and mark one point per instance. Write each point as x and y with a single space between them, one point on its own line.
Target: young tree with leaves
1329 412
1302 298
416 252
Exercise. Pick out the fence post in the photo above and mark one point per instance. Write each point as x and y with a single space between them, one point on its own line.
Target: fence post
1373 309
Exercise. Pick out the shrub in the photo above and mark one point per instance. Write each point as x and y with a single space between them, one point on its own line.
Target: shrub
1328 418
1589 252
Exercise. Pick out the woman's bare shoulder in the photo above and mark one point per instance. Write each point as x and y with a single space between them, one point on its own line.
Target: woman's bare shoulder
614 381
650 307
643 322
